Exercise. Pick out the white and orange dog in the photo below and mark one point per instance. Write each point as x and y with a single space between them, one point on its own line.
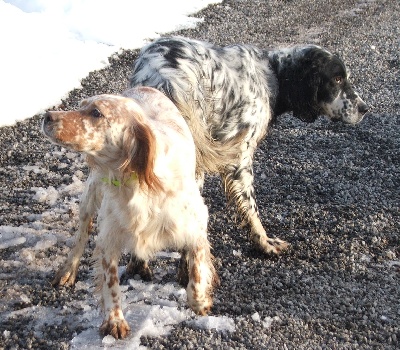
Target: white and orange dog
142 182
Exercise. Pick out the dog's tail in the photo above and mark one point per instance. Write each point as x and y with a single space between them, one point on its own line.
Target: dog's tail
212 155
213 152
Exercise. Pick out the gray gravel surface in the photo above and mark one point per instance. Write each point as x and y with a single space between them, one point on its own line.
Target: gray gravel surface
332 191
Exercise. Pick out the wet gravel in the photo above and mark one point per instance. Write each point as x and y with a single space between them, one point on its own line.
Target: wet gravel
332 191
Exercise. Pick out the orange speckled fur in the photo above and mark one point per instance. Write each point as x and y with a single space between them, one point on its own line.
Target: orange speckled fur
158 207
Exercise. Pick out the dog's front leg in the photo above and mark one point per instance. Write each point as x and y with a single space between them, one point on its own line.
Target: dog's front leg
202 278
107 283
238 179
90 200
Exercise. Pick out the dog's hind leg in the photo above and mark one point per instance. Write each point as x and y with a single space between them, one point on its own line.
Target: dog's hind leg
183 268
90 201
238 180
139 267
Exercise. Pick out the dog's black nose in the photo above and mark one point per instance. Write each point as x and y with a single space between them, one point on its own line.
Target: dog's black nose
48 117
363 108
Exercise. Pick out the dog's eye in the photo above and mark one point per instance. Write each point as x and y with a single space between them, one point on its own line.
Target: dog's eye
95 113
338 79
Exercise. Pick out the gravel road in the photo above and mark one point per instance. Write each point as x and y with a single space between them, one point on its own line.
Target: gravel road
331 190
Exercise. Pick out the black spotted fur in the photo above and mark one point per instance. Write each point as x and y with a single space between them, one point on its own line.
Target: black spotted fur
232 94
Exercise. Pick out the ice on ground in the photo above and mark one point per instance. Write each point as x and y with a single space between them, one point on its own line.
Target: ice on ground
64 205
151 309
75 188
147 308
267 322
29 245
47 241
171 255
237 253
220 323
11 242
256 317
50 195
11 236
45 195
36 169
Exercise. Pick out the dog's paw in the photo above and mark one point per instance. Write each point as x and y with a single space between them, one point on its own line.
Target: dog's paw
199 300
116 327
65 276
271 246
201 307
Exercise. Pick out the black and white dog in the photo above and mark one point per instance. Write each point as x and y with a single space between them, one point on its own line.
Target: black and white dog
229 96
233 93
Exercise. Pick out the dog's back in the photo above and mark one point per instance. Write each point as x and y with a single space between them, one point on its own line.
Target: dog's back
204 86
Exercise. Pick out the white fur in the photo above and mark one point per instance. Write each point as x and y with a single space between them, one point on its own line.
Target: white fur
165 210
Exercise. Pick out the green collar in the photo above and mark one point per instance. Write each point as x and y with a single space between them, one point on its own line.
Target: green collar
118 183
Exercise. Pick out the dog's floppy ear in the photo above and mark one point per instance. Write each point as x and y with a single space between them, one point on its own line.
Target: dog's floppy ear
305 96
140 148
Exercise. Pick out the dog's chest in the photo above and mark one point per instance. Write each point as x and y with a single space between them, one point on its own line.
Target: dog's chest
150 223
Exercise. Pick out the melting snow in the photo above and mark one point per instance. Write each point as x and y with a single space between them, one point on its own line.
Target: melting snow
150 308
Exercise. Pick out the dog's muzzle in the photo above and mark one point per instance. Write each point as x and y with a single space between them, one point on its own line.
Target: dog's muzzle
362 107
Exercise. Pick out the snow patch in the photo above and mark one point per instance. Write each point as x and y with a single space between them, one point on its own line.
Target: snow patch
220 324
45 195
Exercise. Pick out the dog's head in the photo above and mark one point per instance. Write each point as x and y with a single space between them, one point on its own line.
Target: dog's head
112 131
314 82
